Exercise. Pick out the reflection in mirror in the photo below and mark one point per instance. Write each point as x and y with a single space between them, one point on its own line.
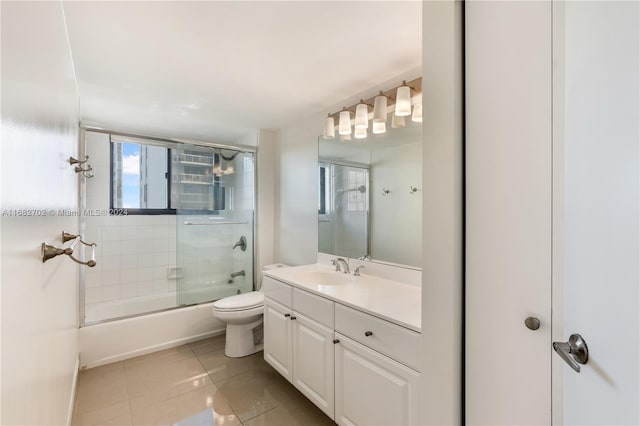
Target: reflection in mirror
370 196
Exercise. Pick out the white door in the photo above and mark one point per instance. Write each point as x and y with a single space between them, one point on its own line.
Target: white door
313 360
508 212
596 214
372 389
277 337
553 195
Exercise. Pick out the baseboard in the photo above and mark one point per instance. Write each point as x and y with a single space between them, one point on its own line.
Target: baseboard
74 386
153 348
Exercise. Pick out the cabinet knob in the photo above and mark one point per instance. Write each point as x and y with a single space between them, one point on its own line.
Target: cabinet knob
292 318
336 341
368 333
287 315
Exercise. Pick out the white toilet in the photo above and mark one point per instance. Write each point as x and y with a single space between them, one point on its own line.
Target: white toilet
243 315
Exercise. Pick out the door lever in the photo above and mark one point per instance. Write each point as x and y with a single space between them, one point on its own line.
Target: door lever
574 352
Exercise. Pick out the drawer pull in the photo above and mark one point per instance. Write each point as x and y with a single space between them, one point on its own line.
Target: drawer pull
336 341
292 318
368 333
287 315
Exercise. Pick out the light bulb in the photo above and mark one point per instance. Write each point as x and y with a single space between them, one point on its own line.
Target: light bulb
403 101
362 116
344 124
360 133
380 109
379 128
417 113
397 121
329 128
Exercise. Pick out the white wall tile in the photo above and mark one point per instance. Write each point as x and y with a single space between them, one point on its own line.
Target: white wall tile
146 260
145 288
93 294
110 292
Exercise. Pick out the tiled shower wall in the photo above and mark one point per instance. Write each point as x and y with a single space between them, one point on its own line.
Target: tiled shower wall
135 254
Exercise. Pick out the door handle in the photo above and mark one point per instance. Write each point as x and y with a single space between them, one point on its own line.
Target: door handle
574 352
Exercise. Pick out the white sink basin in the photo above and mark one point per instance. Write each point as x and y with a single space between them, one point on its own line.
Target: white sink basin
325 277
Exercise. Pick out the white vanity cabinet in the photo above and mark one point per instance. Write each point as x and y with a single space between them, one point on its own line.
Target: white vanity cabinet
357 368
298 341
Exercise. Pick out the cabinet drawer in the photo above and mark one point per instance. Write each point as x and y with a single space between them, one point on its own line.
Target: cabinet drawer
314 307
397 342
275 290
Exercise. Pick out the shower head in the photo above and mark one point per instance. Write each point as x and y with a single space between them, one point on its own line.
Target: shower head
362 189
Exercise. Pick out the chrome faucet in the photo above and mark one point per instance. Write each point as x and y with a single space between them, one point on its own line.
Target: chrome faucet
340 261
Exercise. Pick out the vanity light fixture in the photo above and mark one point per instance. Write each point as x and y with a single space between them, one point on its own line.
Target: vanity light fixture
362 116
329 128
360 133
417 110
403 100
397 100
398 121
379 128
380 109
344 124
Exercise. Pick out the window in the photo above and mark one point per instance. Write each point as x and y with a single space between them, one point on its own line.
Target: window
324 192
151 178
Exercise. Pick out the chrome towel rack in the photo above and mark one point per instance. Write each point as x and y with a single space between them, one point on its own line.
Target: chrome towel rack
49 252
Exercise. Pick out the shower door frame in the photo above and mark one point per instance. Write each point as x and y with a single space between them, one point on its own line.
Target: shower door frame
82 197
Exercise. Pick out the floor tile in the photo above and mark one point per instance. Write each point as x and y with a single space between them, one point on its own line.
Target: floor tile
116 414
194 384
220 367
144 377
248 394
101 387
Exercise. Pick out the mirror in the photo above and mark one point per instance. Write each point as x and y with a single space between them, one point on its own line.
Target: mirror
370 196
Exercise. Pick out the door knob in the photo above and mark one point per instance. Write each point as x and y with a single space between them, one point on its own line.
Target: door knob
532 323
574 352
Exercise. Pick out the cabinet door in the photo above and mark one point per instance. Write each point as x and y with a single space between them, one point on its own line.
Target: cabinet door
277 337
372 389
313 361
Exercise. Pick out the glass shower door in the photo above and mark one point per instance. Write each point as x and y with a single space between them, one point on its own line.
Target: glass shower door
212 190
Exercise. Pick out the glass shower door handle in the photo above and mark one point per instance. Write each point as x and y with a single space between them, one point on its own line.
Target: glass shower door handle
574 352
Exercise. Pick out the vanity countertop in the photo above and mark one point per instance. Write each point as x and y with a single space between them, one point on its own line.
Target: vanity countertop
393 301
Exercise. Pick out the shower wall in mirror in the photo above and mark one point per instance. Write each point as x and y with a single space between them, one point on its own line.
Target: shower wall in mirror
370 196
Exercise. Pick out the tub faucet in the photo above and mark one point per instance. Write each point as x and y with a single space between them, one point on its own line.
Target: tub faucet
338 262
237 274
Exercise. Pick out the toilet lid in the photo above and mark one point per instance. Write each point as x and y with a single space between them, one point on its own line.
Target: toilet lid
240 302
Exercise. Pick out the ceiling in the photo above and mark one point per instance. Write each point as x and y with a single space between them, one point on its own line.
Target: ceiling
217 70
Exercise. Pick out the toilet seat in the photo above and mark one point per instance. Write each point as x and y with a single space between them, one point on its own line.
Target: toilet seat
240 302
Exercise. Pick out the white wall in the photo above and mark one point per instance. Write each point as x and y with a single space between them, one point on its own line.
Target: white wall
266 200
296 222
442 212
39 133
601 91
396 218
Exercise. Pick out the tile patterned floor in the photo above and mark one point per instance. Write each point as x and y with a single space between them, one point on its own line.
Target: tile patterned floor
194 384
